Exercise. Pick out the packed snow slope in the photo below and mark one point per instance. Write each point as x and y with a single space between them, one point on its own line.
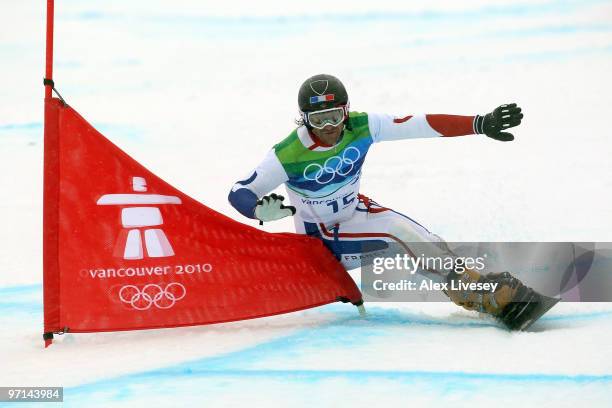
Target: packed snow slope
198 91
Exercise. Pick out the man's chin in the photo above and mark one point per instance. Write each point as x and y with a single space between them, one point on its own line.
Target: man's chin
331 137
330 141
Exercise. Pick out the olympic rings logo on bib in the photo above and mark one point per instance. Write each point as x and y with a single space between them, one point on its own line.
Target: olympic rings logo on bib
152 295
332 166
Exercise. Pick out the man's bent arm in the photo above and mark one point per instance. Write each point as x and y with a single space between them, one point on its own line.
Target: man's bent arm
268 175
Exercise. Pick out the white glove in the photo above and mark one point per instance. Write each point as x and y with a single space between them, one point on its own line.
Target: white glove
271 208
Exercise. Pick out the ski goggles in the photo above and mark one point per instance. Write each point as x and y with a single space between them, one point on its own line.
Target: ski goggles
322 118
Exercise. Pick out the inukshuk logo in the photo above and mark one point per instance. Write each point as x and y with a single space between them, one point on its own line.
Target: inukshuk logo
139 221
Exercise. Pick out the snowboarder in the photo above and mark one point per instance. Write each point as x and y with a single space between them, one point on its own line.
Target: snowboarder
320 164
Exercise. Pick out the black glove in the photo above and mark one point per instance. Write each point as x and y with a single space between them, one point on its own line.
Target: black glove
502 118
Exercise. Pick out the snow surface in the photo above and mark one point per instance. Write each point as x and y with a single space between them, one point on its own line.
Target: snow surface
198 91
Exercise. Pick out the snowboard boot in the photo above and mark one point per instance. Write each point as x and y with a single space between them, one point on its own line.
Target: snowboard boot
512 303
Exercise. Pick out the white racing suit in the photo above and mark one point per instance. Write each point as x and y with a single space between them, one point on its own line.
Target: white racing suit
323 184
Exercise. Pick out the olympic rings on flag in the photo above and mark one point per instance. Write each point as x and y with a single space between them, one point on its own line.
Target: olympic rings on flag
152 295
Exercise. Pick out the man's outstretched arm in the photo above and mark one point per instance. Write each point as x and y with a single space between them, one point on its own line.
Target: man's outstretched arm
494 124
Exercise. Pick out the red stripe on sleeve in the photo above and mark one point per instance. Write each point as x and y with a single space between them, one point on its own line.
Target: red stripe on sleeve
452 125
402 120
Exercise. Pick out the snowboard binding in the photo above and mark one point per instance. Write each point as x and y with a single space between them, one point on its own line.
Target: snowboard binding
515 305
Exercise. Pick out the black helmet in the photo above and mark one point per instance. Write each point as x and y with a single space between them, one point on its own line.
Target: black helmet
321 92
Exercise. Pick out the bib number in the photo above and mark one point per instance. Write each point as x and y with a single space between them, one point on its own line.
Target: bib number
346 201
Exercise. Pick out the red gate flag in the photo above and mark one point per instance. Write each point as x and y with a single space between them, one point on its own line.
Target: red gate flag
124 250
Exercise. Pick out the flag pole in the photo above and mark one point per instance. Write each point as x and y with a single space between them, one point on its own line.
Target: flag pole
49 54
50 194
